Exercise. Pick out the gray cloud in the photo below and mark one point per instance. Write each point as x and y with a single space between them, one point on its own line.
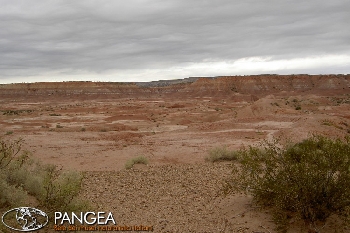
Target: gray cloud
38 37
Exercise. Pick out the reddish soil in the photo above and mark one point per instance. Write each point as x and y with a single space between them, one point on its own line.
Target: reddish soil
80 127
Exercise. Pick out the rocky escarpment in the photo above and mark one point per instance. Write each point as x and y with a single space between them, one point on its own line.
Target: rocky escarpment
257 84
194 86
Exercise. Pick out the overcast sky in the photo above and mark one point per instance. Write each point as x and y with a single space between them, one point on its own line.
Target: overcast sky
143 40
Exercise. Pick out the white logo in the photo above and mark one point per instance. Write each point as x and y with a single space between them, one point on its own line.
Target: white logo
28 219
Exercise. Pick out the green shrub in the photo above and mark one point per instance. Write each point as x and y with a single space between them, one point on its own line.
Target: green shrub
21 179
33 185
137 160
309 180
10 151
10 195
221 154
59 188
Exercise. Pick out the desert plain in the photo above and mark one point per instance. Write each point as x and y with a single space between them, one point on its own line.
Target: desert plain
95 128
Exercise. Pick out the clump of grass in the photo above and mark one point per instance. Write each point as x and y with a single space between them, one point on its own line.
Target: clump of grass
327 122
137 160
221 154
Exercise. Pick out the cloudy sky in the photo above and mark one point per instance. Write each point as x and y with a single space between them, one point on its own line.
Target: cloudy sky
143 40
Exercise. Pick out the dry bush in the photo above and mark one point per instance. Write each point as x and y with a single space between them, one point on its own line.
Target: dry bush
221 154
137 160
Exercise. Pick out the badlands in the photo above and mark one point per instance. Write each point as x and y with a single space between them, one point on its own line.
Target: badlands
96 127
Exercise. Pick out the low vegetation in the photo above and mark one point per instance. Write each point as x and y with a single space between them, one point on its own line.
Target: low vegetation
16 112
332 123
309 180
58 126
22 180
9 133
54 114
221 154
137 160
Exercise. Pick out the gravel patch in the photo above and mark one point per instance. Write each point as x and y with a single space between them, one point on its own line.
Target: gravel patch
171 198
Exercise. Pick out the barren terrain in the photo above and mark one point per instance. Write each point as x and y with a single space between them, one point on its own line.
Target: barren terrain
84 127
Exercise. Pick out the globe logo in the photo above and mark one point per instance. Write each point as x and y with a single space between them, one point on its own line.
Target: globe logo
25 219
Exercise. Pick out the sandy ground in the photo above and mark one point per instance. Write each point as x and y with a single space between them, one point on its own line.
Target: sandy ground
177 191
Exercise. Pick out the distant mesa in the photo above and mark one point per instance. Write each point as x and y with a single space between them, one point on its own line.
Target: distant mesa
164 83
252 85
